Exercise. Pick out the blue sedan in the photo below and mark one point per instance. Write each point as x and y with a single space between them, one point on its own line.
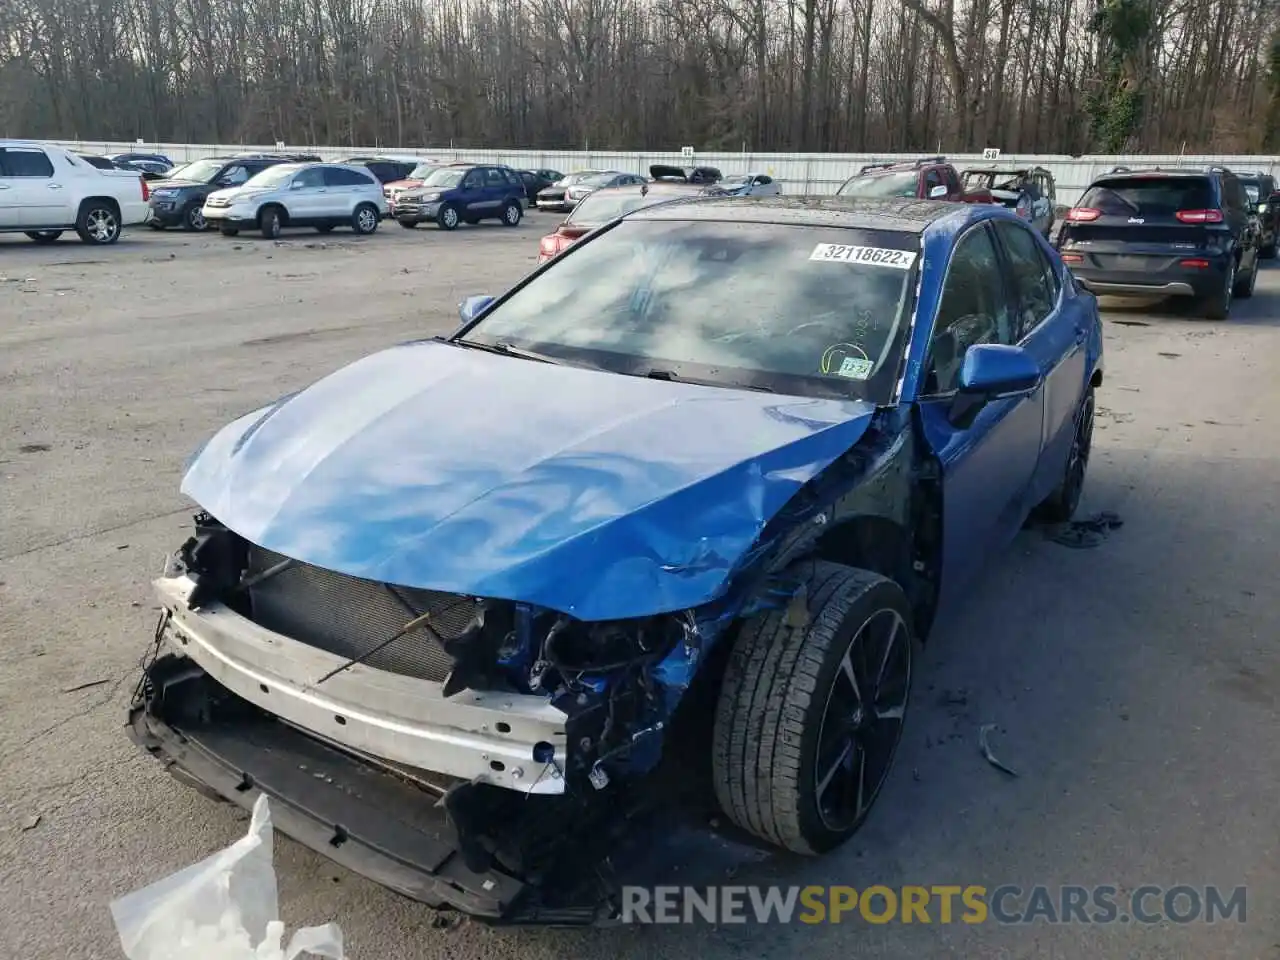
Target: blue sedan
737 452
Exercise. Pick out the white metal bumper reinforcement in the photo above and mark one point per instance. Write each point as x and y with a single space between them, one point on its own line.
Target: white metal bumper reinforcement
473 734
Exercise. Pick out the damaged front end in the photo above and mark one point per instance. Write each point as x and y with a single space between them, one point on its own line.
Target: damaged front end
467 752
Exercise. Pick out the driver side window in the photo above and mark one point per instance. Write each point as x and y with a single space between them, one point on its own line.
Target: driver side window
973 308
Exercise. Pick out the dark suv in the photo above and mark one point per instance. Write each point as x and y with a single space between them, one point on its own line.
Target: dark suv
463 193
930 178
179 200
1154 233
1264 193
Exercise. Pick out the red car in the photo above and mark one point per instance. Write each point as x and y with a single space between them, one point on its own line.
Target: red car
609 203
393 189
930 178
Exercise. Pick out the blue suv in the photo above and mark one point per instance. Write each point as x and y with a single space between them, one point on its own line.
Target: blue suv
463 192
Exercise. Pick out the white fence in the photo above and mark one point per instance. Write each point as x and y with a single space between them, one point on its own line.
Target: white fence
799 173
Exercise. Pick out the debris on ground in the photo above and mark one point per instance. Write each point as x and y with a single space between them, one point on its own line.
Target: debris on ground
1085 533
1132 323
32 822
987 755
223 908
86 685
1171 356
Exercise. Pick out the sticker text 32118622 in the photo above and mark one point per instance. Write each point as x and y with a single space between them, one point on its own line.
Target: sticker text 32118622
871 256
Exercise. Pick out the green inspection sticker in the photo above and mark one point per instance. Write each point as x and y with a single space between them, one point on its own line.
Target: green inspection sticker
855 368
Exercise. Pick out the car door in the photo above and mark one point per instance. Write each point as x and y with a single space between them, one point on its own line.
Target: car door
1054 330
340 188
32 193
987 464
309 198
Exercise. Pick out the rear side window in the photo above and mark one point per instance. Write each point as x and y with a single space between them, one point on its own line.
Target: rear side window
1149 196
22 162
346 178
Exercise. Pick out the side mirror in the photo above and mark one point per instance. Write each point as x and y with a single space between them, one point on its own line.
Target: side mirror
472 307
938 192
992 371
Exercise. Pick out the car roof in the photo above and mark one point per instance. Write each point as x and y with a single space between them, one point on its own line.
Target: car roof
1146 173
868 213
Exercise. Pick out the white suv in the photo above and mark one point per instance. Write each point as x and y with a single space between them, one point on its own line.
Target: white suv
320 195
45 191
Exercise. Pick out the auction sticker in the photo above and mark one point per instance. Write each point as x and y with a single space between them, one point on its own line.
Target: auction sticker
872 256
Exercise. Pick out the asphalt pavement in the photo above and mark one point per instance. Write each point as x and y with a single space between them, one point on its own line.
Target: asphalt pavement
1133 684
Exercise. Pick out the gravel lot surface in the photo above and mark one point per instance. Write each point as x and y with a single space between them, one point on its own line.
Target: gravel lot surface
1134 684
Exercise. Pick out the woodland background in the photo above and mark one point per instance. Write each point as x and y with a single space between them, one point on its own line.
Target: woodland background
1044 76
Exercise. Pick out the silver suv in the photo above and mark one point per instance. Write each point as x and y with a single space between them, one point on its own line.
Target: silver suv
320 195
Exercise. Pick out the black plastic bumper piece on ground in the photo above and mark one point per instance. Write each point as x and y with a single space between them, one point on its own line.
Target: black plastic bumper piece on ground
369 821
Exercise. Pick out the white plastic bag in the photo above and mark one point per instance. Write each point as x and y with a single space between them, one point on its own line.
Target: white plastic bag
222 908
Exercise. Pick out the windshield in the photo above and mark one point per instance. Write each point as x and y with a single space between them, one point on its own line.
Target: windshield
422 171
605 205
597 180
273 176
794 309
446 177
199 171
885 185
1149 196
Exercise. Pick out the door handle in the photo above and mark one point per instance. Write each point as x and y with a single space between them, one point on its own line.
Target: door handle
4 186
55 186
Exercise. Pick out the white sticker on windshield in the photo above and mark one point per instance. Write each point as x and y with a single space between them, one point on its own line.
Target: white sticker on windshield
872 256
855 368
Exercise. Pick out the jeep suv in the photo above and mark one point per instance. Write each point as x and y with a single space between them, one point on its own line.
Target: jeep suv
1264 193
1155 233
930 178
179 200
463 192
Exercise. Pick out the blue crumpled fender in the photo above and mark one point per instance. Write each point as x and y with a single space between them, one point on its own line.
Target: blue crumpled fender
437 467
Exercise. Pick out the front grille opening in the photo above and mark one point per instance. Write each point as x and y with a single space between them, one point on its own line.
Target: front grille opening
349 616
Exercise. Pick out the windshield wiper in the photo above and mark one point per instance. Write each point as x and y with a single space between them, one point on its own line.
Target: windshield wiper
674 378
501 347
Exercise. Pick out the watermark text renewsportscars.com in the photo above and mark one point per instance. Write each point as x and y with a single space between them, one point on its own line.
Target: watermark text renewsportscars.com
936 904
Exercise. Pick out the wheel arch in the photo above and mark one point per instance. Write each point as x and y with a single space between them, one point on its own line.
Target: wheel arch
111 202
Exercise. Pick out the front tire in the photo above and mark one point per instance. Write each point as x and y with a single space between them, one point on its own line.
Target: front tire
98 223
270 224
447 218
193 218
364 220
811 708
44 236
511 214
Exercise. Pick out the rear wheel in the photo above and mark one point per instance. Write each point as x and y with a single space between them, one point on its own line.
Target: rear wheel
1243 289
811 708
365 219
1060 506
98 222
511 213
44 236
1217 305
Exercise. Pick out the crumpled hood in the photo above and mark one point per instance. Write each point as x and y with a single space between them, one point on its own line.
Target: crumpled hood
438 467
